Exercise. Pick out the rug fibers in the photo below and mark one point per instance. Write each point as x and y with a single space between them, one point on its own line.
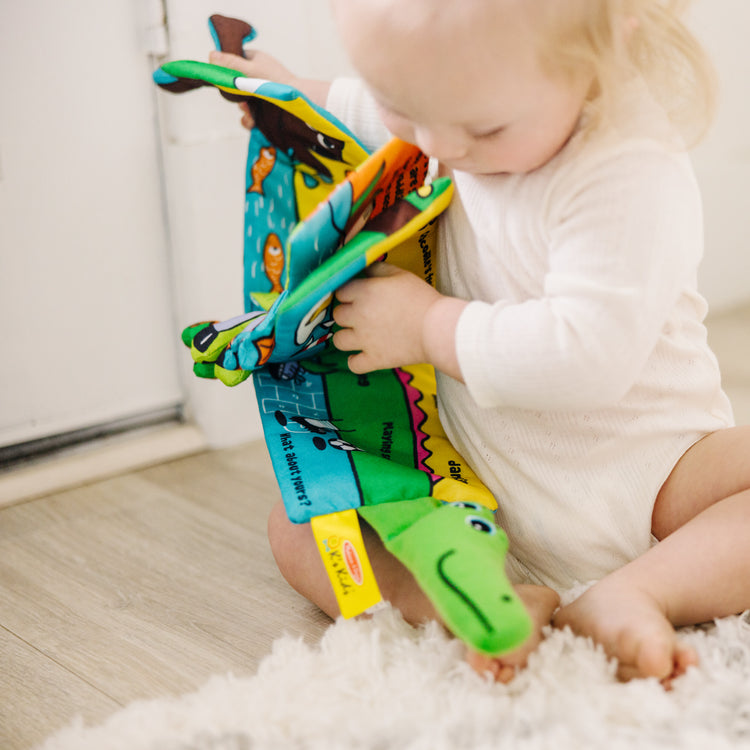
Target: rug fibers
380 684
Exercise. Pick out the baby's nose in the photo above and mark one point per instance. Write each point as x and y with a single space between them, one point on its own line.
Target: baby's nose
444 144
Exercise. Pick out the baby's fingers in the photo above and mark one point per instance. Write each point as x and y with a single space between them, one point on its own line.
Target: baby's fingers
349 291
345 340
360 363
247 118
381 268
235 62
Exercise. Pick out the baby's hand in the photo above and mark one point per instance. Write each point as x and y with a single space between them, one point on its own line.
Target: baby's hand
255 64
385 318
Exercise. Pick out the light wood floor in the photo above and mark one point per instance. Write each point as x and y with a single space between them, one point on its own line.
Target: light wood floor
139 586
148 583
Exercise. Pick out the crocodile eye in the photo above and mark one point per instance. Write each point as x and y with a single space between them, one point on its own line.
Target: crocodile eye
481 524
465 504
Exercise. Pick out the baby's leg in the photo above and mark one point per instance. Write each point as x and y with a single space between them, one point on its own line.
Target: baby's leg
699 571
297 556
298 559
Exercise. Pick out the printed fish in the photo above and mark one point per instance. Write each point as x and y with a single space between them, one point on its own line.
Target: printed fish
273 261
262 167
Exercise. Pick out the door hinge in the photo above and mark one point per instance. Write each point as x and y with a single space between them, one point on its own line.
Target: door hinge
154 39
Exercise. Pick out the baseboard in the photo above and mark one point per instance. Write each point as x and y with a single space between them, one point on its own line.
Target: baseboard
101 459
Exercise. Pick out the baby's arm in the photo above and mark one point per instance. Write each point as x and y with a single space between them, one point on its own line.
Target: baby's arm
615 261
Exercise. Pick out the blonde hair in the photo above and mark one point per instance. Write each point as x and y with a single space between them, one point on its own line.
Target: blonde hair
612 39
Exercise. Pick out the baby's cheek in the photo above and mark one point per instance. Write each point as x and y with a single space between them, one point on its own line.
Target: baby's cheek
517 156
398 126
404 132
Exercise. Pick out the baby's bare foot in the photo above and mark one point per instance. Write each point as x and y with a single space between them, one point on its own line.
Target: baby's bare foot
540 602
632 627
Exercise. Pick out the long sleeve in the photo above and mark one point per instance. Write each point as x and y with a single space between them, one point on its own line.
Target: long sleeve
624 239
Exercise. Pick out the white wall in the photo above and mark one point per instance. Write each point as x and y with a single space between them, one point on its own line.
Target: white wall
722 161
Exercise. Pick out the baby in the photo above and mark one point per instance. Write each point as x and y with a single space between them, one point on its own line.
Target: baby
566 328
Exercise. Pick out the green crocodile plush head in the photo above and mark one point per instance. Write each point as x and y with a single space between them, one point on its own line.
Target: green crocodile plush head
456 552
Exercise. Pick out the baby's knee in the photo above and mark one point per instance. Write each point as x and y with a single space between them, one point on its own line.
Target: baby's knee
283 537
294 549
296 553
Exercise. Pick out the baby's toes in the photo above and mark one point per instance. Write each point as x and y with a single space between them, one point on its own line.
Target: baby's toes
685 656
483 664
493 666
656 657
660 657
505 673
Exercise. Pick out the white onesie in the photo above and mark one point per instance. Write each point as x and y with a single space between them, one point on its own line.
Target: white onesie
583 350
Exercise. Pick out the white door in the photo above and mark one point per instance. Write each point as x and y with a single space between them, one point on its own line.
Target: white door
85 289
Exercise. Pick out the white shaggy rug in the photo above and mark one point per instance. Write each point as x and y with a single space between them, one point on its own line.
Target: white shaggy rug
382 685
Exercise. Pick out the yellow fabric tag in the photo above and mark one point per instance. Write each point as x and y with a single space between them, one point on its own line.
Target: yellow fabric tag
342 549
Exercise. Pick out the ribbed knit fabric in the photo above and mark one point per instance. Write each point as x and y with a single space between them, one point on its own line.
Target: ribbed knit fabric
583 350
